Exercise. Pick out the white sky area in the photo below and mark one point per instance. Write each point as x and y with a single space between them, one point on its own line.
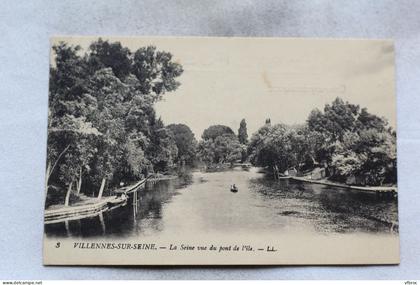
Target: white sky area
228 79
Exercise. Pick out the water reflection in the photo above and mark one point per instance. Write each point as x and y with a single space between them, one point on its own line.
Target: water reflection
329 209
199 202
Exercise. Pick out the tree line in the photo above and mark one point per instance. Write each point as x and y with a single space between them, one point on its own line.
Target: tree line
102 126
345 139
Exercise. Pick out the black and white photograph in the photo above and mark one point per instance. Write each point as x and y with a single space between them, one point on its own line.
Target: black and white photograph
221 151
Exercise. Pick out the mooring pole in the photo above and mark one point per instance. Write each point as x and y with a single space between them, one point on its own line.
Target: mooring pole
101 190
101 219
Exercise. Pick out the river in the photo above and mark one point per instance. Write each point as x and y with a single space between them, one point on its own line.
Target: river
200 202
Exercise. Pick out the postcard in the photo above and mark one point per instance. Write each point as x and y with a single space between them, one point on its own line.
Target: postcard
221 151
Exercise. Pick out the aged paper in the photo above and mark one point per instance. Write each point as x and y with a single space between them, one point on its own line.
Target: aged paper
221 151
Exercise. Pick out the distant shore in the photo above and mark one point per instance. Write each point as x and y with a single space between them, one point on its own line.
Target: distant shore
376 189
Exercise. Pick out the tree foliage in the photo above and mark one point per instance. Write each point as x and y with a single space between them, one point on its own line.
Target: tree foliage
215 131
350 141
369 155
219 145
356 142
242 132
185 142
101 113
278 147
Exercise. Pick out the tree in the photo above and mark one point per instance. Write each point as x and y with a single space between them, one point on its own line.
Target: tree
70 133
155 71
349 141
108 116
67 77
280 147
223 149
337 118
185 142
162 151
365 120
369 155
227 149
346 160
103 54
102 120
219 145
242 132
205 151
67 167
300 146
271 147
214 131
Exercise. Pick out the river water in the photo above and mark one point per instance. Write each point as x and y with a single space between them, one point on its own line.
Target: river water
199 202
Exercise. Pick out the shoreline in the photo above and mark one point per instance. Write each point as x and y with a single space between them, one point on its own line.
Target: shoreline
375 189
68 213
164 177
90 207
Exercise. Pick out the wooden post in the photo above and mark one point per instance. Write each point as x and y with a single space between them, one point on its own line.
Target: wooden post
101 190
67 200
101 220
134 206
134 202
67 226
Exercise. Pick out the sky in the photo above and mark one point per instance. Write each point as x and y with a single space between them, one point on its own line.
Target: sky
226 80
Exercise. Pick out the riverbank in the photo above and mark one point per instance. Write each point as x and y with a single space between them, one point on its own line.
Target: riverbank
88 206
161 177
92 207
375 189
